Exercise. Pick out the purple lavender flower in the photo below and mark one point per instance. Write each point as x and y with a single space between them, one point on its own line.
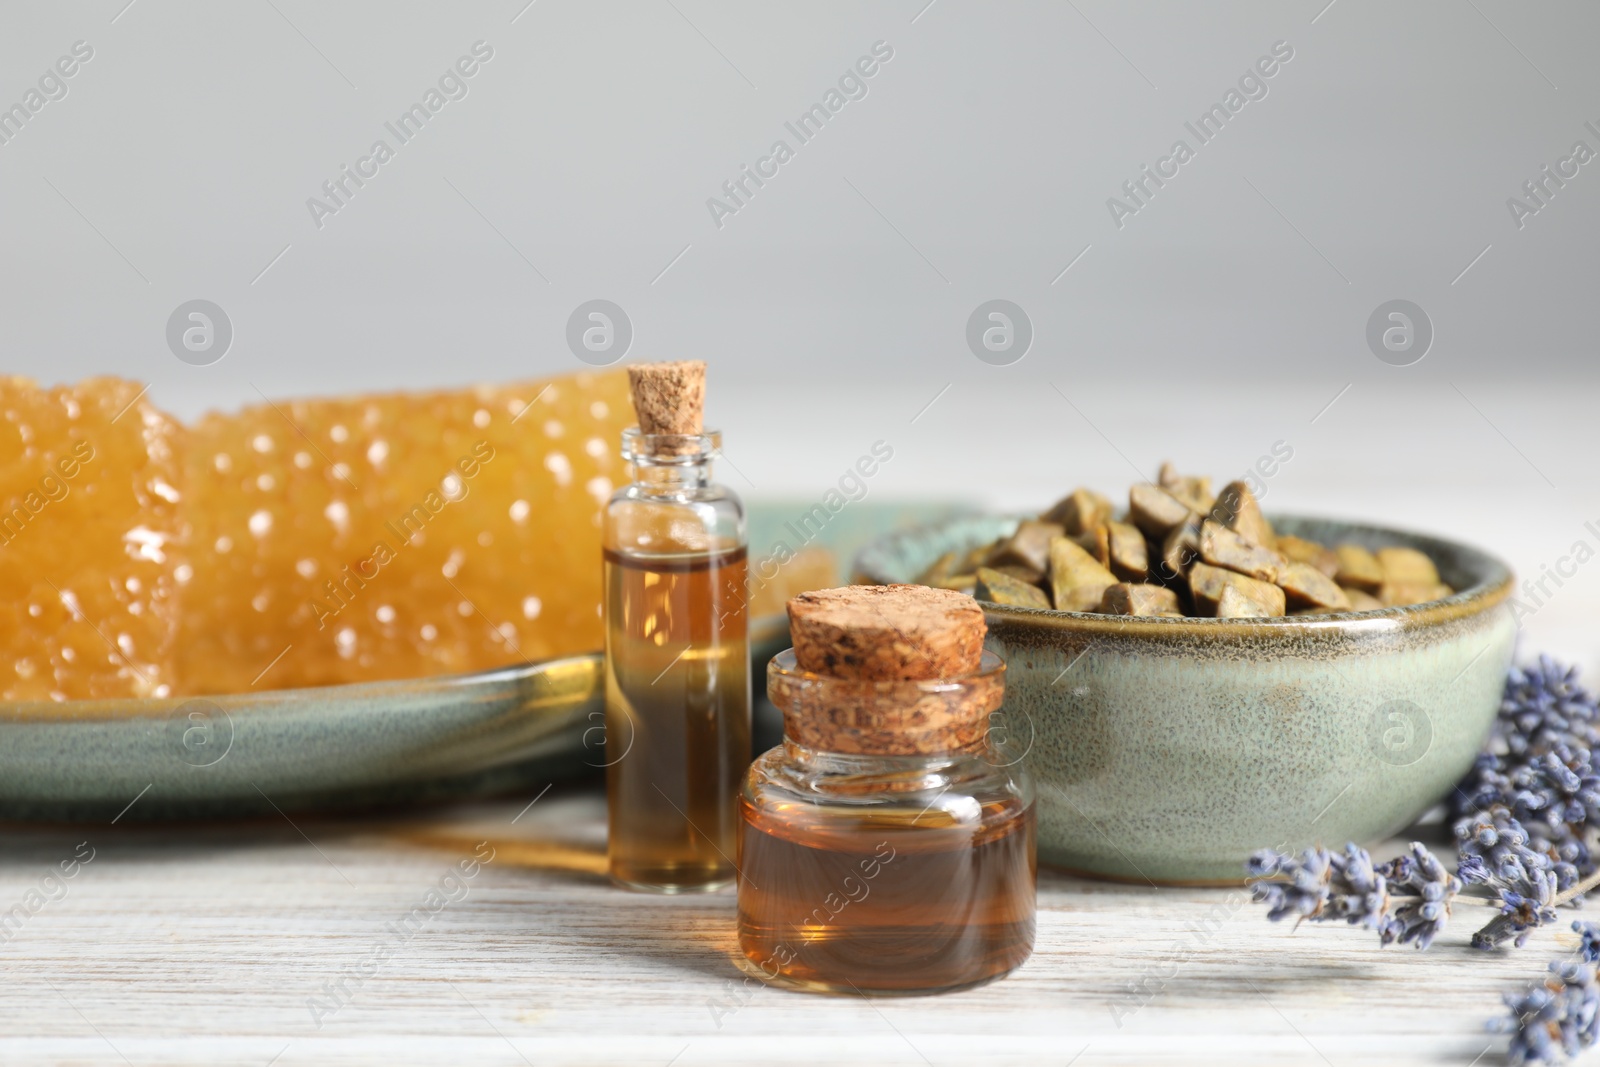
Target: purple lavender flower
1421 918
1528 863
1302 884
1523 817
1590 935
1537 779
1519 914
1557 797
1494 853
1357 893
1407 899
1544 704
1538 765
1561 1014
1493 848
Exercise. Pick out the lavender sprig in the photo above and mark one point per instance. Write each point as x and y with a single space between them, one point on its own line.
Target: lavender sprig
1494 853
1405 900
1410 897
1538 768
1560 1014
1543 705
1524 817
1421 916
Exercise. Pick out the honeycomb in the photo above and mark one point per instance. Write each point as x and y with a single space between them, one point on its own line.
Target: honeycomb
89 511
399 535
298 543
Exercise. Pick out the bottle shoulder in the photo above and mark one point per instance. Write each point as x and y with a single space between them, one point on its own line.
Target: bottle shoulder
708 493
699 519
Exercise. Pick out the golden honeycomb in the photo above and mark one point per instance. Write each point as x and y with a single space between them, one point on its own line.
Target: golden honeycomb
89 502
298 543
397 535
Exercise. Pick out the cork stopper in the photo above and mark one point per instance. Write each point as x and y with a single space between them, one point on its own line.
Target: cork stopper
884 632
669 398
886 670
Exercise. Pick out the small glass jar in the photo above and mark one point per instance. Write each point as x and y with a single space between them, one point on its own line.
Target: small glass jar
886 847
677 667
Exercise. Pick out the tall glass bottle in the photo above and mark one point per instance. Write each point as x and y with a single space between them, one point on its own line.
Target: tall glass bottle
677 667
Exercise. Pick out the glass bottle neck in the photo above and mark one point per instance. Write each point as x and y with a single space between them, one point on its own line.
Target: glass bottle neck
843 776
669 478
852 763
668 464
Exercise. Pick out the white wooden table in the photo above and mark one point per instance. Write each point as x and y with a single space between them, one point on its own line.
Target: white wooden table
209 944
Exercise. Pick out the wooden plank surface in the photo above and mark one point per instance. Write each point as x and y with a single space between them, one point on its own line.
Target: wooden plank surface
227 944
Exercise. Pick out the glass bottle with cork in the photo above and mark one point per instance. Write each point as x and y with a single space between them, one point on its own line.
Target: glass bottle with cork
886 847
677 656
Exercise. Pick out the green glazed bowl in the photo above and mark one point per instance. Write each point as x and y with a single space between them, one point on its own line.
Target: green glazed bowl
1168 750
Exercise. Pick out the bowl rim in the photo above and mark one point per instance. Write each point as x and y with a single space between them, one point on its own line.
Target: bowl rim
1494 586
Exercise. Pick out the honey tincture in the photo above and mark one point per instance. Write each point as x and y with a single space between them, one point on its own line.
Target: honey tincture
677 655
885 847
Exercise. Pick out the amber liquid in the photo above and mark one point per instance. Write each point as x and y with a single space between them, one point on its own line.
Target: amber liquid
886 903
677 717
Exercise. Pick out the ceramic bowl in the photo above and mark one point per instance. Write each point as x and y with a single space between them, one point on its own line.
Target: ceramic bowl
1167 750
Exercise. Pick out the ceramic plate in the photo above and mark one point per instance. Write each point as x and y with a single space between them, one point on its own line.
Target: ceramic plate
350 746
334 746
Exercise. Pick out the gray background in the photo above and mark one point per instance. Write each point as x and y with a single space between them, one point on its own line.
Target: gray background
1228 314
